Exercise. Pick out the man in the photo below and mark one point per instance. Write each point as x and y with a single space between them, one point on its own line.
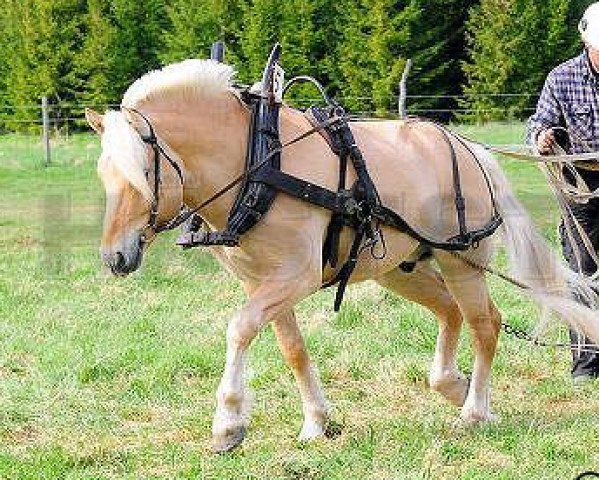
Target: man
569 103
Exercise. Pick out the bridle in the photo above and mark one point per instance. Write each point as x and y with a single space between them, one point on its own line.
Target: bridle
152 140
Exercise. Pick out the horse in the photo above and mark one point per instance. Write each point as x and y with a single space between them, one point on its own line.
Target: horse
202 124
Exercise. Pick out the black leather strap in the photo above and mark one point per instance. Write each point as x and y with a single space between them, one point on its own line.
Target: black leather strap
302 189
459 242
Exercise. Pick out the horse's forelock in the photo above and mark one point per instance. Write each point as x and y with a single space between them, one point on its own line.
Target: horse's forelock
123 148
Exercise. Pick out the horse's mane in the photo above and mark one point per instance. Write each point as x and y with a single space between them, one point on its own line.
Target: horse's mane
123 147
189 78
122 144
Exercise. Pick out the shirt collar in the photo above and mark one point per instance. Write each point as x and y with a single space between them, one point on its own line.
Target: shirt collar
585 67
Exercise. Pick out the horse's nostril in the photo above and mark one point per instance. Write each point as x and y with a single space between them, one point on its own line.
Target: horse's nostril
119 261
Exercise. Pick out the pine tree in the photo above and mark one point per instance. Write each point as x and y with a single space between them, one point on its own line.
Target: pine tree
372 53
137 40
437 47
513 44
304 29
296 34
95 63
43 36
6 45
261 20
194 25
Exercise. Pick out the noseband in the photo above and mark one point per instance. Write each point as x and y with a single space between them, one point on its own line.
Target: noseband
152 140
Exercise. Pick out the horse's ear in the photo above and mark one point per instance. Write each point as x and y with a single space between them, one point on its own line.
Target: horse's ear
95 120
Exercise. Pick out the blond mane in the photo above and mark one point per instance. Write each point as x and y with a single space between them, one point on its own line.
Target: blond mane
188 79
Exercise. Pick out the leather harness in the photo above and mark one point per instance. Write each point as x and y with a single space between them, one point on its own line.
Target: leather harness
358 207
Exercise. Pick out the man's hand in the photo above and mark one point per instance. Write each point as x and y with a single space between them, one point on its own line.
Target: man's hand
546 141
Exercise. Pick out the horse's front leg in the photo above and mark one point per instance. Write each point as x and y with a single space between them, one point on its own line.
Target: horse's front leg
294 352
266 303
230 418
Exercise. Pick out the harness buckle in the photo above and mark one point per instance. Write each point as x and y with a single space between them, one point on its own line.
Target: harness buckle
349 204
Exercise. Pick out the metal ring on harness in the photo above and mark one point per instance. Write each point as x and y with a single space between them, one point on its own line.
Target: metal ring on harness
307 79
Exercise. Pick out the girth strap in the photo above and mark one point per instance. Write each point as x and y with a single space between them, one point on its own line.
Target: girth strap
348 267
318 116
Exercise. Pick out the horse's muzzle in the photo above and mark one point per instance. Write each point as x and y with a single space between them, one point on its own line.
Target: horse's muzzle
125 259
121 264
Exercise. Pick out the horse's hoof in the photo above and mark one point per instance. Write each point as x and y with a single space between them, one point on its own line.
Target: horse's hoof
311 430
228 441
453 389
478 418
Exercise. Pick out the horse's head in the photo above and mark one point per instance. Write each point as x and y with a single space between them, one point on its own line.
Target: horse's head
127 167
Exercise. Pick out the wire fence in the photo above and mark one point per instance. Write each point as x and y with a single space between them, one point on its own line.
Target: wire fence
22 132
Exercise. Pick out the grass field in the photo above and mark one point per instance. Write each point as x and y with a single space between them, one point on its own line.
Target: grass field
115 378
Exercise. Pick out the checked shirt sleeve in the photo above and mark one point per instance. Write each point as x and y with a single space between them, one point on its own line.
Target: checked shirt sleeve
547 115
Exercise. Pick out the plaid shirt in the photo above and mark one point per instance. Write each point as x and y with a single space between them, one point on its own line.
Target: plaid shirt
570 99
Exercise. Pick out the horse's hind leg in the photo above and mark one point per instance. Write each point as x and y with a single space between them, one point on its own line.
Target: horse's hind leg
469 288
294 352
426 287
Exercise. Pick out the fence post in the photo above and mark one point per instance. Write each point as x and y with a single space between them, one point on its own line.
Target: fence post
217 51
46 130
403 90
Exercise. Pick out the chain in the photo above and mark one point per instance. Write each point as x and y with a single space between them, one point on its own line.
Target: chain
521 334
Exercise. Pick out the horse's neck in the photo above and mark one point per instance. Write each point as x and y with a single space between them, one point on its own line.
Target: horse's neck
210 136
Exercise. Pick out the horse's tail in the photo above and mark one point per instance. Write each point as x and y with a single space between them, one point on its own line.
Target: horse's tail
559 291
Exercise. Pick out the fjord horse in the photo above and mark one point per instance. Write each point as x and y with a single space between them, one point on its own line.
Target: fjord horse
203 126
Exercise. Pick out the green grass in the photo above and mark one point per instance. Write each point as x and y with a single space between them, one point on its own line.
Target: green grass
115 378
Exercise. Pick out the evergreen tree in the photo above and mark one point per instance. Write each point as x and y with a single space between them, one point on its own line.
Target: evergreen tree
6 45
296 34
371 55
89 51
261 20
437 47
513 44
138 35
302 27
95 63
43 34
194 25
329 31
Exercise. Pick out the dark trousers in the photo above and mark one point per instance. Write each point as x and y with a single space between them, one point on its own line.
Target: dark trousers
587 362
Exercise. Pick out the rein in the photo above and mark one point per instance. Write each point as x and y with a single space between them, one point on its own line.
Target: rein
184 213
566 158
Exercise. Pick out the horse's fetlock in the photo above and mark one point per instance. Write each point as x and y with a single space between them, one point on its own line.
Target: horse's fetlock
439 381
